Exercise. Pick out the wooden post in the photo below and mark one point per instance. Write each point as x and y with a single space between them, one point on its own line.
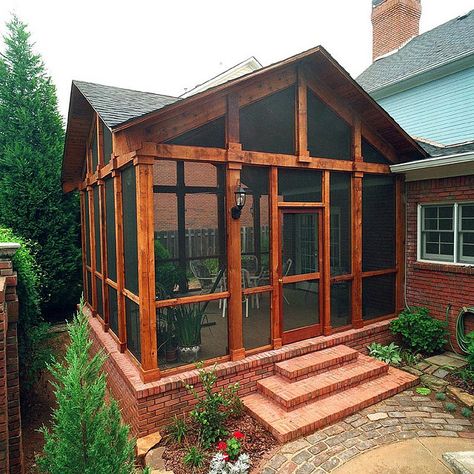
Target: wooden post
146 267
90 196
357 321
400 243
122 327
357 141
301 128
234 267
82 200
103 255
275 269
325 282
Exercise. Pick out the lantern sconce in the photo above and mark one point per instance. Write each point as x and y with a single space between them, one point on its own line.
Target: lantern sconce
240 198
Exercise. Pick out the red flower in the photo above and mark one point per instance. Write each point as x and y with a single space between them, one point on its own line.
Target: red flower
238 435
222 446
226 457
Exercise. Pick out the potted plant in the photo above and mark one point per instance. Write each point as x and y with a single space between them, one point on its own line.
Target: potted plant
166 337
187 322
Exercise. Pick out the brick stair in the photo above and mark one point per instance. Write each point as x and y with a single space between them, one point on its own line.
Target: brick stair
317 389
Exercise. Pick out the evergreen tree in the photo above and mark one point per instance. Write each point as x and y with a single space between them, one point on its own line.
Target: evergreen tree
86 436
32 203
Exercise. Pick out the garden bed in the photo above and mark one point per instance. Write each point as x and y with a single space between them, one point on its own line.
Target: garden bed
463 383
257 443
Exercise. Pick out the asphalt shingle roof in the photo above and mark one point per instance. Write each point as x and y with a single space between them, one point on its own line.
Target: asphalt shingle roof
441 45
116 106
435 151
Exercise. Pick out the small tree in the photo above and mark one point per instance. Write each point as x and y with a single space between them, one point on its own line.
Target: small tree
86 436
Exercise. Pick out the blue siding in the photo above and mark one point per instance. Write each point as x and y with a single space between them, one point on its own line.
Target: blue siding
441 110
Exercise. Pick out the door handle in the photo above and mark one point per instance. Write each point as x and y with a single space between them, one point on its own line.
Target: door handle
280 280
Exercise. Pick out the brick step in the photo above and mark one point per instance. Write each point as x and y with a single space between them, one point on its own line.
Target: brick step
314 362
290 393
288 425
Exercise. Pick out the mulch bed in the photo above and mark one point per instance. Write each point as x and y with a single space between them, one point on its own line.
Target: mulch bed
457 381
257 443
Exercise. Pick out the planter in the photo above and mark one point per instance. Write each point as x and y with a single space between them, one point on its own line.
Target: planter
188 354
171 355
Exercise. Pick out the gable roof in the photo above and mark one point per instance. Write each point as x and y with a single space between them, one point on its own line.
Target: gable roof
116 106
107 102
441 45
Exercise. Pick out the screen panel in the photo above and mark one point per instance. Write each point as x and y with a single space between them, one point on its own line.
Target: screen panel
132 315
110 228
98 261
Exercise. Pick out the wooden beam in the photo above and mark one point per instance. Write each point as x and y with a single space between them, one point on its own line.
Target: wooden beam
385 148
90 195
275 266
301 116
100 142
325 281
103 255
357 250
232 120
400 242
146 265
122 326
357 141
234 270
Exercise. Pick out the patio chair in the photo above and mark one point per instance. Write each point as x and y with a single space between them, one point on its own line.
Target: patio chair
202 274
245 299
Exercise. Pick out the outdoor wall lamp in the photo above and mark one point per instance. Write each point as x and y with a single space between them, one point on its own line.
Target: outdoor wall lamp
240 197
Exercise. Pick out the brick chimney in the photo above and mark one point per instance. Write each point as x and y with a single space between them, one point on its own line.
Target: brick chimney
394 22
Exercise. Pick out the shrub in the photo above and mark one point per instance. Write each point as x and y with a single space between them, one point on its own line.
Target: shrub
221 465
441 396
451 407
389 354
33 332
86 436
212 410
466 374
166 274
194 457
177 429
419 331
470 349
466 412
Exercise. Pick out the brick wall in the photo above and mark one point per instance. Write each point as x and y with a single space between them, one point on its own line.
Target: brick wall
437 285
394 22
148 407
11 451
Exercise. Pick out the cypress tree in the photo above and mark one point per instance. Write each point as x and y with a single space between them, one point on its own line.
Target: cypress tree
32 203
86 436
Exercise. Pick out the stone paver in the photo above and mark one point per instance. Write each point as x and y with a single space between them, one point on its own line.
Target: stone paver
401 417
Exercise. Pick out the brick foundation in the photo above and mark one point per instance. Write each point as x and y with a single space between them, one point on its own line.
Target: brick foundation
148 407
11 450
437 285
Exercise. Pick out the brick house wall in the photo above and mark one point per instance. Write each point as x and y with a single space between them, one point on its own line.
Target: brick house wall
11 449
437 285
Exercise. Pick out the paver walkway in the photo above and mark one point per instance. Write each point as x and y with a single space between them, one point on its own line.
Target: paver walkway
403 416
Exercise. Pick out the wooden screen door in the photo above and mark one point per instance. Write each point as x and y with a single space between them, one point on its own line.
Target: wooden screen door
300 264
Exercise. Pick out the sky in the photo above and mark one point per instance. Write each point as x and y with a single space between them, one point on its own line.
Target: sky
168 47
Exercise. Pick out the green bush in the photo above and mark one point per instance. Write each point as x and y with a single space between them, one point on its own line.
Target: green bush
441 396
33 332
389 354
86 434
194 457
451 407
419 331
167 276
213 409
466 412
470 349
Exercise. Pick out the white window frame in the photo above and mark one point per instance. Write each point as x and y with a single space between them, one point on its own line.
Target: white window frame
456 229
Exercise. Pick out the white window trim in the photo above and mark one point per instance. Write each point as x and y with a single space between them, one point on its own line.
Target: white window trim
456 233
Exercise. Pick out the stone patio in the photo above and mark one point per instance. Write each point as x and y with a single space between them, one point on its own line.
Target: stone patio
403 416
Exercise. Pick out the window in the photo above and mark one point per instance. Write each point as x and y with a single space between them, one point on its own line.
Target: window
446 232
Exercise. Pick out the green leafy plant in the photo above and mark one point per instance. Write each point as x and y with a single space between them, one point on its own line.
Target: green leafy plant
177 429
423 391
166 273
33 332
441 396
466 412
466 374
419 331
212 409
194 457
389 354
470 350
451 407
86 434
408 358
32 201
